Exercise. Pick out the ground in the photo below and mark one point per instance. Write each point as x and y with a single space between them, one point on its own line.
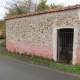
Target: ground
14 66
18 70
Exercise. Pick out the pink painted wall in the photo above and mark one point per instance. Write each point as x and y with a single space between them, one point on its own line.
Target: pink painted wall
78 56
37 50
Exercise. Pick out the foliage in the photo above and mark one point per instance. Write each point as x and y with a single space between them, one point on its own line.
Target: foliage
2 29
53 5
26 6
19 7
42 5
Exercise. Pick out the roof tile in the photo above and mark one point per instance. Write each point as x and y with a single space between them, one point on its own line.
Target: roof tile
45 11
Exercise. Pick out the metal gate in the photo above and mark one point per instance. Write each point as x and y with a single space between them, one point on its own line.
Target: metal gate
65 45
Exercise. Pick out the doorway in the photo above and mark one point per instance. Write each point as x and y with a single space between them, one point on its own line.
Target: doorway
65 45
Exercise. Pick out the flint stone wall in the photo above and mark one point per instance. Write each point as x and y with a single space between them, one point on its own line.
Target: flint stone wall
38 29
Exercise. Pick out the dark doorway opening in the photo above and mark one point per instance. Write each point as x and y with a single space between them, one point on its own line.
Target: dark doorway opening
65 45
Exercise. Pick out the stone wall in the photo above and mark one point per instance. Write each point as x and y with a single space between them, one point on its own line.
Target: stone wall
33 34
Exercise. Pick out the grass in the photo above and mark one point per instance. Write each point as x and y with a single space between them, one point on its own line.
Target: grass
3 43
74 68
36 59
50 62
9 54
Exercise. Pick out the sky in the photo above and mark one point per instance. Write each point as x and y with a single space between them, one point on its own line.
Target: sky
65 2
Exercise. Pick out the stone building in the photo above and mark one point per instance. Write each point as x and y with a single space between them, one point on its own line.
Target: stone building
53 33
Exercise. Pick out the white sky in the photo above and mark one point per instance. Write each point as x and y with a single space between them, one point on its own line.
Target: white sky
66 2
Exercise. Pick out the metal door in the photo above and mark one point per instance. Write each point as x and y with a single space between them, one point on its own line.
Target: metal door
65 45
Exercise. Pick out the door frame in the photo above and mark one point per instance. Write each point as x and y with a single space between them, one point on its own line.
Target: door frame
75 41
65 35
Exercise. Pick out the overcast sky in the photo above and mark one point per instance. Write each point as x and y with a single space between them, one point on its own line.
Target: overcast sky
66 2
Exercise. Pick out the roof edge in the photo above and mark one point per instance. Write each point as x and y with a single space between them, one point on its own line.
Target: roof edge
45 11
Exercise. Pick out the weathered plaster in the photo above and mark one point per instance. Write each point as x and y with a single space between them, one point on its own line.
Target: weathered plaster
78 56
30 49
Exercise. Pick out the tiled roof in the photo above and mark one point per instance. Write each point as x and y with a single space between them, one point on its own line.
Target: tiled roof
45 11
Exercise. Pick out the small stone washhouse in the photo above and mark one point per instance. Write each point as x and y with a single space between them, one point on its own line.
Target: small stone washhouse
53 33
